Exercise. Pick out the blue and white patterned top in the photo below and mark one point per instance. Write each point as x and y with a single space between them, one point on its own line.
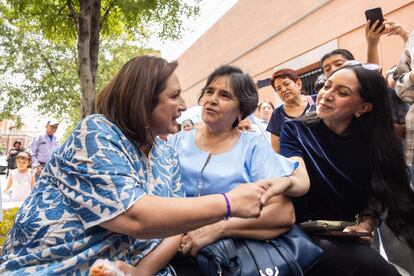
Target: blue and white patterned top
96 175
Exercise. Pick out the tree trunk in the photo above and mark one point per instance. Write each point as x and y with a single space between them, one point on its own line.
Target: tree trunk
88 49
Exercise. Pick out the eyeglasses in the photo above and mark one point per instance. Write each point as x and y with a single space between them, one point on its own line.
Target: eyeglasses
368 66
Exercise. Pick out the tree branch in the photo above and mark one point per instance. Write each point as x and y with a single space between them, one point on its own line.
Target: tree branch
107 9
72 12
50 67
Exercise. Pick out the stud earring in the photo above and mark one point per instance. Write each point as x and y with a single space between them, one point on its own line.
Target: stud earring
357 115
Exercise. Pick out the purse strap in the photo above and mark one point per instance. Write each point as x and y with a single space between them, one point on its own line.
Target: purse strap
290 260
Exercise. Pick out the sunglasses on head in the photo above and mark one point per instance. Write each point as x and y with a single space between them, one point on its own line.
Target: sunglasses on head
368 66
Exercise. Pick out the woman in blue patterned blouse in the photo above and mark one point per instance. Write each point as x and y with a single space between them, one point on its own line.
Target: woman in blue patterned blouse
111 190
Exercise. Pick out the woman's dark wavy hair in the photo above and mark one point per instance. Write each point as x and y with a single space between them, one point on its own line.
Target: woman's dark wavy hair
390 183
242 85
130 97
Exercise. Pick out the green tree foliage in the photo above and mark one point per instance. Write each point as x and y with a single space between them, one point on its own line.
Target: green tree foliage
7 223
51 48
112 56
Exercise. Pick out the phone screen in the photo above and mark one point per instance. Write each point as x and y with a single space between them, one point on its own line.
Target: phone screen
374 15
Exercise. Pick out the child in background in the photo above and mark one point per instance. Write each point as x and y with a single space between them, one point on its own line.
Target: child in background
20 180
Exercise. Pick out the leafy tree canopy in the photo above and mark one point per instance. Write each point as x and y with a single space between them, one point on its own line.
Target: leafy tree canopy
39 65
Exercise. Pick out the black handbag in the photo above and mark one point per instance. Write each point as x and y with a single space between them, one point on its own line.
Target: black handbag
290 254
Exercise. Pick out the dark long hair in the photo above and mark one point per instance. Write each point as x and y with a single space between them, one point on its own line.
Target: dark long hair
391 178
242 85
390 182
130 97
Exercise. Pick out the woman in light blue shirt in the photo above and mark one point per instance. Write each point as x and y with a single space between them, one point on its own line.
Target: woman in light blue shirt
218 157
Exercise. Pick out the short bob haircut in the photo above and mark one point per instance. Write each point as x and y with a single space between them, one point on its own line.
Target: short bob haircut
242 85
130 97
342 52
282 74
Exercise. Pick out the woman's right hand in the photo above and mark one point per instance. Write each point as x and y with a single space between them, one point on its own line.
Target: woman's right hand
362 228
245 200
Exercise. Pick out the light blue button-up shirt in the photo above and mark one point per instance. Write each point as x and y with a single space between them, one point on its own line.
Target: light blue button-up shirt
41 149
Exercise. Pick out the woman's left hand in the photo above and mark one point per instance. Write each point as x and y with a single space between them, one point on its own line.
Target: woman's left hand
362 228
193 241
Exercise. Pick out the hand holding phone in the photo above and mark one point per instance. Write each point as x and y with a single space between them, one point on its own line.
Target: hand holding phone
373 15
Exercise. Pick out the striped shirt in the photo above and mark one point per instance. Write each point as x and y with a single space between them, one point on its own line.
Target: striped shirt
405 90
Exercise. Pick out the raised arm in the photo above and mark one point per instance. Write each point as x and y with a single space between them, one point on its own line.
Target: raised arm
373 36
395 28
404 73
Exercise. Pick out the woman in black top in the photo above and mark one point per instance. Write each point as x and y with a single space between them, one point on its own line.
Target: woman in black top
355 168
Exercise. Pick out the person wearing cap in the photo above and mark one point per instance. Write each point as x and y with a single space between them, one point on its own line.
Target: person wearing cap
43 145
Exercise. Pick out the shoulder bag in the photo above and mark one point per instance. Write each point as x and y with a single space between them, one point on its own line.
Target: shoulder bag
290 254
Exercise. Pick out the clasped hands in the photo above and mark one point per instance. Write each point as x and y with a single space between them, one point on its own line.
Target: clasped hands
246 200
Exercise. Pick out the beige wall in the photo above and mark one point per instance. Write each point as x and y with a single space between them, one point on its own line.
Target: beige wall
9 134
263 34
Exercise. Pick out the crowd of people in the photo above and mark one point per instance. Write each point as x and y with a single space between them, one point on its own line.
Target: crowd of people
24 166
127 188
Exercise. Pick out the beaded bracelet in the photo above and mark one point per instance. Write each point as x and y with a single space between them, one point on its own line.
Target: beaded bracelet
228 212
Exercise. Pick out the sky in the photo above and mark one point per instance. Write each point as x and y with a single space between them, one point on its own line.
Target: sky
210 12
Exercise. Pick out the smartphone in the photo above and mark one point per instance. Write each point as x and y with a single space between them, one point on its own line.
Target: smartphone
325 225
374 15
